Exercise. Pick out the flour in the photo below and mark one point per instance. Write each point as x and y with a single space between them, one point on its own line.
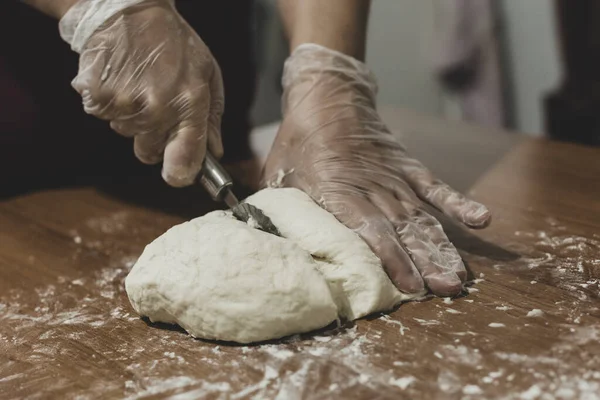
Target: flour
164 385
252 222
492 376
42 328
114 223
281 354
403 382
472 390
277 181
35 322
531 394
426 322
567 257
536 312
387 319
460 354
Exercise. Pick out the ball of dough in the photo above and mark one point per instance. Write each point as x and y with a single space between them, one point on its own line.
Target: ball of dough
220 278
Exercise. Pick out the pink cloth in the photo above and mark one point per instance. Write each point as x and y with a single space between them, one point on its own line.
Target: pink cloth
467 59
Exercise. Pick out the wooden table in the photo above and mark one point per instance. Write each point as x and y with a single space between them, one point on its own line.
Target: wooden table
530 324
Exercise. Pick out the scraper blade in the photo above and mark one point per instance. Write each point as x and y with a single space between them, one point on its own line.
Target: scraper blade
255 217
218 183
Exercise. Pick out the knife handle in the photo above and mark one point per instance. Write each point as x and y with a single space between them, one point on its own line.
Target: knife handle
214 178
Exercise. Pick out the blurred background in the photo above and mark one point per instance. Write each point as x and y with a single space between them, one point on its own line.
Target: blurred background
531 66
491 62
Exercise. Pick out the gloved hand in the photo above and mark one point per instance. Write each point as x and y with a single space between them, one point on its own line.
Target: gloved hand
333 145
144 69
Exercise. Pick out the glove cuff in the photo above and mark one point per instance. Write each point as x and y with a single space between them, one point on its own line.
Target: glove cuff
86 16
309 60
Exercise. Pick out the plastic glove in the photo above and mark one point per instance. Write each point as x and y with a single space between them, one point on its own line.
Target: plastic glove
143 68
333 145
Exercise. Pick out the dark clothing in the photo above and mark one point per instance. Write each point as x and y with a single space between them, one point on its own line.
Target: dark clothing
44 132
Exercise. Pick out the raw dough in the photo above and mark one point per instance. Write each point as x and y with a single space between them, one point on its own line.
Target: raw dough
219 278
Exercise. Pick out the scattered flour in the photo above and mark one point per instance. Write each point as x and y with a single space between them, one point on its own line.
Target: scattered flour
279 353
472 390
536 312
387 319
426 322
532 393
284 369
403 382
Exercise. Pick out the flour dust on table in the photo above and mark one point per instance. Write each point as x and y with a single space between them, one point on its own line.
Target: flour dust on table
220 278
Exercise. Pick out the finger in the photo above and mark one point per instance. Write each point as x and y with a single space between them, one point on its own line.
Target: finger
217 106
129 126
95 82
185 152
151 118
358 214
444 198
439 277
149 144
438 271
447 252
150 147
88 82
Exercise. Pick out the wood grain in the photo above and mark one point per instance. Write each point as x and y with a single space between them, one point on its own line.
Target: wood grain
67 329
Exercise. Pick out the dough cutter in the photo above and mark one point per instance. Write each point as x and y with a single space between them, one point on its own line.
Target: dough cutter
218 184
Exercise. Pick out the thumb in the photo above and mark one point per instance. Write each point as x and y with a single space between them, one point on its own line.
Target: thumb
217 106
185 153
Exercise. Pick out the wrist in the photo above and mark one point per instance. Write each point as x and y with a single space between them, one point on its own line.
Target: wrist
53 8
320 71
339 25
309 60
62 7
83 18
337 44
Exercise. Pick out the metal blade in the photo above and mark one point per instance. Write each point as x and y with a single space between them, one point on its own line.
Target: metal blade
230 199
255 217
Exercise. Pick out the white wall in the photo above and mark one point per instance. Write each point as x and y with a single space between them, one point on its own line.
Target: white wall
533 59
400 49
399 52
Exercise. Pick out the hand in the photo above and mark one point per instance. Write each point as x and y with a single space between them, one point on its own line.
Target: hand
144 69
333 145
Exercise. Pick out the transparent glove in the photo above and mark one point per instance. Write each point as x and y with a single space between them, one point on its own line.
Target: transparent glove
144 69
333 145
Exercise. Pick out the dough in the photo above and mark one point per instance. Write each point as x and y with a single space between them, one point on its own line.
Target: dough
220 278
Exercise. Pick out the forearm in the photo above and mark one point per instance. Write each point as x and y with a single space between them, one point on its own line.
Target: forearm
336 24
53 8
